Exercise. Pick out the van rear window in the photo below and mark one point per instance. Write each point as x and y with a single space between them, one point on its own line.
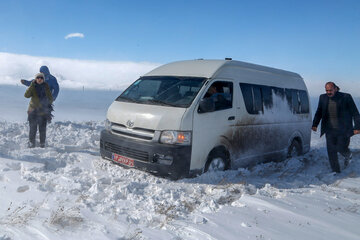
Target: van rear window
304 102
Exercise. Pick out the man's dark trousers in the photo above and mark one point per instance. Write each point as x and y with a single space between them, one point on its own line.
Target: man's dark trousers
336 142
35 121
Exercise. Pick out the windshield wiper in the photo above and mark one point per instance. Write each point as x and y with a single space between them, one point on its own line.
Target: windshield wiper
161 102
127 99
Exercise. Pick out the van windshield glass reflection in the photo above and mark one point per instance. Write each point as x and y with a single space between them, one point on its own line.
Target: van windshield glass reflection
166 91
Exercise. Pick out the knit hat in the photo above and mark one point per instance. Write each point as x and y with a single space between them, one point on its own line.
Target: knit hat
40 75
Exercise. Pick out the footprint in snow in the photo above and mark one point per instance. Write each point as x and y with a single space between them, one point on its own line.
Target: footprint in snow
22 189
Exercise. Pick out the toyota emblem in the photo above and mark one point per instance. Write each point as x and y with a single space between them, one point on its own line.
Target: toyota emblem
130 124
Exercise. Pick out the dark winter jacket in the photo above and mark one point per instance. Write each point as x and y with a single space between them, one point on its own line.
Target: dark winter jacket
347 112
49 79
41 98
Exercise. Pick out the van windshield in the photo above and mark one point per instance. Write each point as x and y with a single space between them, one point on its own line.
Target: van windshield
163 90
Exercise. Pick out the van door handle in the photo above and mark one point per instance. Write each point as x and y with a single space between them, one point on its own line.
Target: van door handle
231 118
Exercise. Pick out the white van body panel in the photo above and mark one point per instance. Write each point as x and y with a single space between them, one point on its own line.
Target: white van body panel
259 76
247 138
188 68
152 117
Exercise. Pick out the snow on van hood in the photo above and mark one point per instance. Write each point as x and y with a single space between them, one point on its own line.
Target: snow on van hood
146 116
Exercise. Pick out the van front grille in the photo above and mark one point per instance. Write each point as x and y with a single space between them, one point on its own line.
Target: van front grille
127 152
133 135
140 133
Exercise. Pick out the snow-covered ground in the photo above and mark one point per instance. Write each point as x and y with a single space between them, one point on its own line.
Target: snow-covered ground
66 191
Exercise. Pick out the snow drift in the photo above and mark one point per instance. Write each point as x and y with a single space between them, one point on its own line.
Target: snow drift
67 191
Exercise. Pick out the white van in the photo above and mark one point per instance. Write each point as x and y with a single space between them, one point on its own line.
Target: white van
188 117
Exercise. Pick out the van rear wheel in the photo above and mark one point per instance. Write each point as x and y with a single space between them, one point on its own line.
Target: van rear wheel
217 162
294 149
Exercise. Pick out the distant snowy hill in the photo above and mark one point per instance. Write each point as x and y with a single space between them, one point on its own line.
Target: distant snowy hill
71 105
115 75
72 73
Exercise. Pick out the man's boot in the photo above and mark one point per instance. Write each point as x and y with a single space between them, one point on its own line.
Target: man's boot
31 144
348 157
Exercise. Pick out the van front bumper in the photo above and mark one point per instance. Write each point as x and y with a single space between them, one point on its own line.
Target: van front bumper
160 159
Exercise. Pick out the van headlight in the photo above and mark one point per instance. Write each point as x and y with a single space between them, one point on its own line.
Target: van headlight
175 137
108 125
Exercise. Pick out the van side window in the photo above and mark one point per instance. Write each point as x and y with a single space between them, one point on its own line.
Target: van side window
288 96
247 93
267 96
298 100
295 101
258 105
257 98
221 93
304 101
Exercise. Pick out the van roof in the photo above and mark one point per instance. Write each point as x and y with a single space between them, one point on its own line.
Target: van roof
208 68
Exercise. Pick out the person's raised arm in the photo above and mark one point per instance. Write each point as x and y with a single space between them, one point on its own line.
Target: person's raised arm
29 91
26 82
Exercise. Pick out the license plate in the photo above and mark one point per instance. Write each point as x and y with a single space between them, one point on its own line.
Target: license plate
123 160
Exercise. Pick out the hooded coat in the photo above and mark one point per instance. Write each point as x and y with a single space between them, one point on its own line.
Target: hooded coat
346 113
41 99
49 79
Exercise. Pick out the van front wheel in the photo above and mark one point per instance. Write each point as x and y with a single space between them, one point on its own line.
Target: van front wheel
216 162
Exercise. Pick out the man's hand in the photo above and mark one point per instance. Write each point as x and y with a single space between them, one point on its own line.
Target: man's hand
314 129
356 132
22 81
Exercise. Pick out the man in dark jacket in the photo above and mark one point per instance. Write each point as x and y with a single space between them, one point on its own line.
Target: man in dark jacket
49 79
337 111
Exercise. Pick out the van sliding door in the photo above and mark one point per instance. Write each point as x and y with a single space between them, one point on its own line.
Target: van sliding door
213 128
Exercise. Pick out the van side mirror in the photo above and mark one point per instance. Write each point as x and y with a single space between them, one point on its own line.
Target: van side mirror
206 105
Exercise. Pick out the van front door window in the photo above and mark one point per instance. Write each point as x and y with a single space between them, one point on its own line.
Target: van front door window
221 93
